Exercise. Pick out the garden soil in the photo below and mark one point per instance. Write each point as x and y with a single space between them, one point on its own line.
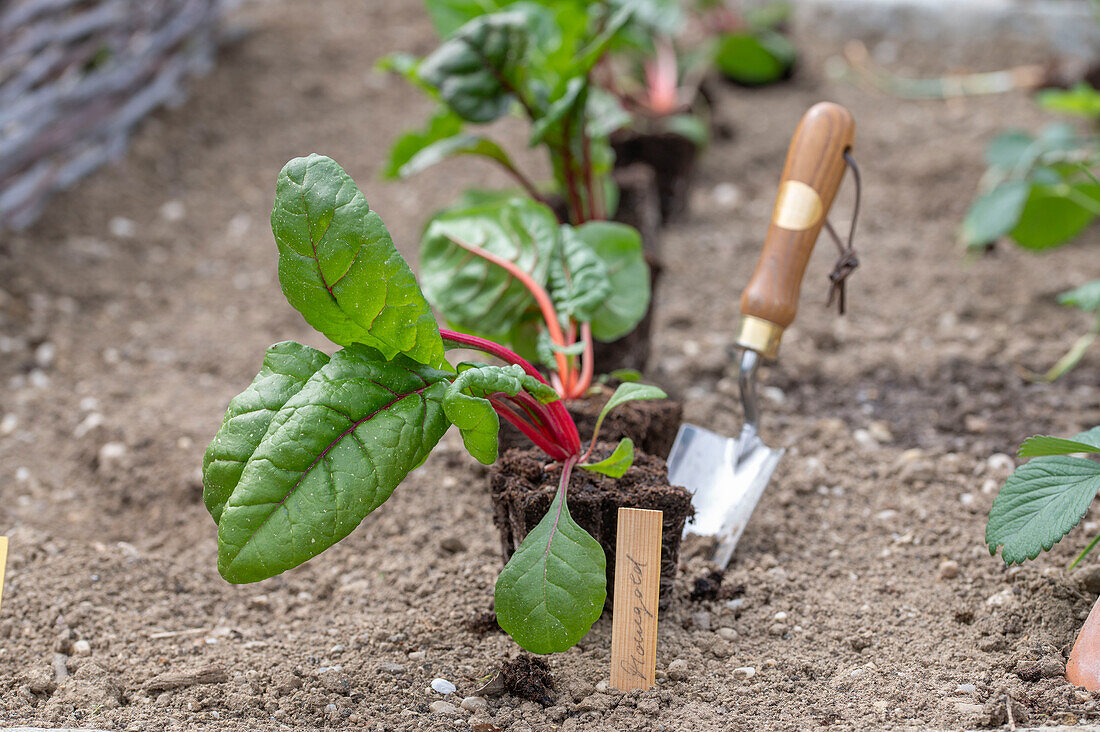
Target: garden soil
861 595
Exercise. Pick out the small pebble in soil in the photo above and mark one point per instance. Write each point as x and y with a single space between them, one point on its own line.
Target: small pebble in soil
443 686
82 648
744 672
678 669
442 707
700 620
728 634
393 669
864 439
474 704
452 545
780 616
121 227
1001 599
949 569
417 655
965 689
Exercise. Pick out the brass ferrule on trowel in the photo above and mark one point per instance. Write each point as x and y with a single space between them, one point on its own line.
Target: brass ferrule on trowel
811 176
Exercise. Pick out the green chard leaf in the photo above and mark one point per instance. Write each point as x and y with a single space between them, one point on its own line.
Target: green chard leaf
339 268
1009 149
472 293
748 57
450 15
1039 504
619 247
617 463
579 282
628 392
449 147
477 69
1082 100
286 368
444 125
467 408
332 454
553 588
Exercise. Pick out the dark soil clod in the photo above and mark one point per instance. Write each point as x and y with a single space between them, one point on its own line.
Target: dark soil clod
528 677
707 586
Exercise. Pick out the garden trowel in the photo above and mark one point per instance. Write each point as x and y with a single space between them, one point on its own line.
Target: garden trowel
727 476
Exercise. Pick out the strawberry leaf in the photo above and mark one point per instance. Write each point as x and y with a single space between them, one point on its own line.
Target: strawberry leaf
339 268
332 454
1039 504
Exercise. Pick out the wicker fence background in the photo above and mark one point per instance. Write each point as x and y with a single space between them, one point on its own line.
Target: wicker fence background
75 78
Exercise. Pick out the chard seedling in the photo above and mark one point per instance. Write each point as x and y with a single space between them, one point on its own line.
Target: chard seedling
527 57
317 442
506 269
1046 497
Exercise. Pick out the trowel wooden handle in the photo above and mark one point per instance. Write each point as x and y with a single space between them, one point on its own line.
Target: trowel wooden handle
811 176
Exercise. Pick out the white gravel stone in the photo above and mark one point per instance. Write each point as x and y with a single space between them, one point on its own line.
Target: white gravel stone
82 648
442 707
8 424
474 704
744 672
443 686
173 211
122 227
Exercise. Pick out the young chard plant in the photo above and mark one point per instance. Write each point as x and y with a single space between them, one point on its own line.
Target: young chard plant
506 269
527 56
1046 497
317 442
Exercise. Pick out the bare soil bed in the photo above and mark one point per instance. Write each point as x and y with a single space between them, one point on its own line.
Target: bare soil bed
861 595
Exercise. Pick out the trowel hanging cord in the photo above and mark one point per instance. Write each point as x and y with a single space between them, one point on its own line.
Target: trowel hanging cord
847 261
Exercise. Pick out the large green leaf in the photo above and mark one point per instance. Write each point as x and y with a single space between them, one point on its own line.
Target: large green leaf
619 247
286 368
449 147
579 280
467 408
331 455
995 214
1039 504
1055 214
473 293
443 125
1086 297
339 268
553 588
477 69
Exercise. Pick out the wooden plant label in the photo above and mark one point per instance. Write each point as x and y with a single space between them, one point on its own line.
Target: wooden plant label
3 563
637 581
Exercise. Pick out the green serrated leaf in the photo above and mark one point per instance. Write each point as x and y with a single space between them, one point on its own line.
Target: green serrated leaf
332 454
579 281
443 125
553 588
1039 504
1054 215
995 214
286 368
467 408
1085 297
338 266
476 69
617 463
1041 445
619 247
472 293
